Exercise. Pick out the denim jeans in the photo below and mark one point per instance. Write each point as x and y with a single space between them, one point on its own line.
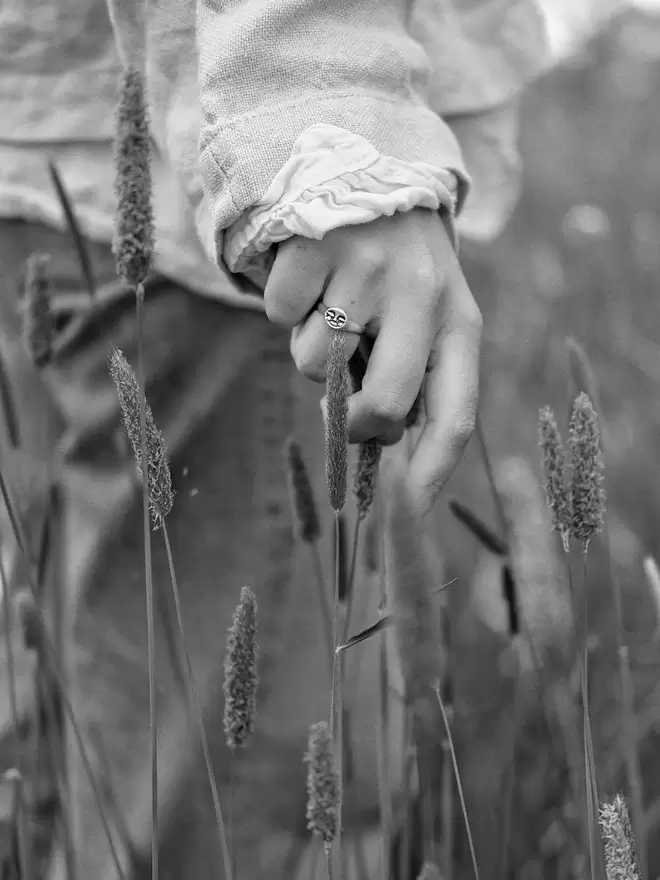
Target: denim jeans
225 393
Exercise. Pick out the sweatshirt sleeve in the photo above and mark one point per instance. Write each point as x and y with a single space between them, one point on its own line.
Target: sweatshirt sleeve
314 116
294 117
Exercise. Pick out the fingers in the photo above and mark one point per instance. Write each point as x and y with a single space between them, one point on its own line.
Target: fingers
396 367
450 398
390 437
297 279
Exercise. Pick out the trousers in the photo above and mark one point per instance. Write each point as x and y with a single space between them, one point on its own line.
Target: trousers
225 393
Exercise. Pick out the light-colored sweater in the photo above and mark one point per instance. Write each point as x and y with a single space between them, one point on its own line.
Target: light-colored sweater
270 118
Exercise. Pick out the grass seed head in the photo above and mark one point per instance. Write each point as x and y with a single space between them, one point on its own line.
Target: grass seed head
336 429
587 489
309 526
159 483
323 784
38 323
366 475
557 474
241 675
134 231
616 830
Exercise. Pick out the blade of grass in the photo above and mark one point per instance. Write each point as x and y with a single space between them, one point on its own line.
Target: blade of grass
196 709
74 228
491 478
9 629
149 589
335 696
459 785
53 664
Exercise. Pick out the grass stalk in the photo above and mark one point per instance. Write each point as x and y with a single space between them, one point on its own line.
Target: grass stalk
8 610
324 602
149 588
56 756
590 767
459 785
53 663
196 709
488 467
628 717
336 725
82 251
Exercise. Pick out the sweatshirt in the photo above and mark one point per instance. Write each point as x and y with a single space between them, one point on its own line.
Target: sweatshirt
269 118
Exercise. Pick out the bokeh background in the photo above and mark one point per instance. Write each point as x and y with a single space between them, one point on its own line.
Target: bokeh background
580 258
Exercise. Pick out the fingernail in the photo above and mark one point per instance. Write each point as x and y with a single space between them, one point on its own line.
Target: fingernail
324 409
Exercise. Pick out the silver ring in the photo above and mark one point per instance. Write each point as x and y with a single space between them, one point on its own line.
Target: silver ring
337 319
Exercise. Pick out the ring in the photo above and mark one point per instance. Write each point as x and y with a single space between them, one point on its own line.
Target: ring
337 319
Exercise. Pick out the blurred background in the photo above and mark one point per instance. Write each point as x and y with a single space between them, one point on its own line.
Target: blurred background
580 258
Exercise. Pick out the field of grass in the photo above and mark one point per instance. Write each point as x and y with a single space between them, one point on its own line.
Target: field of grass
579 261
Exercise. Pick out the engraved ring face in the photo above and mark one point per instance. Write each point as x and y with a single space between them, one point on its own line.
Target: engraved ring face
336 318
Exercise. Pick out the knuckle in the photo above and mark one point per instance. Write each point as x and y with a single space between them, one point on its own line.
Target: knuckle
371 257
426 277
388 410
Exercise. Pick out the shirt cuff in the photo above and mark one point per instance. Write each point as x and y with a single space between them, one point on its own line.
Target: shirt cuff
333 178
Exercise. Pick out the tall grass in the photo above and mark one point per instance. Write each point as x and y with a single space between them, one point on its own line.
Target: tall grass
395 546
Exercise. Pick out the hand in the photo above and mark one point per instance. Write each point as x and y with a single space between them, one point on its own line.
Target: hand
400 277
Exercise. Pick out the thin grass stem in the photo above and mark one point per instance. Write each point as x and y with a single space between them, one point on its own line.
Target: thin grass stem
382 736
590 769
628 717
8 610
459 785
336 725
488 467
351 581
326 611
196 710
149 588
53 662
56 756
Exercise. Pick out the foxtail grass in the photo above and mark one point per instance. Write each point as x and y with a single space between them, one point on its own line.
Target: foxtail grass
38 322
584 378
240 686
159 503
619 841
588 506
324 789
50 651
133 247
336 456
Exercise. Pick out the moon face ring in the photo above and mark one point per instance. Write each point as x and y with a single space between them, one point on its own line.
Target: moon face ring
337 319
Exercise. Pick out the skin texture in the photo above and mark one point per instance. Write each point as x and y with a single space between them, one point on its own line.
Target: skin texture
399 277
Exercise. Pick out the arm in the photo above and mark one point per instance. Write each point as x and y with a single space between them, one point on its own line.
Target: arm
278 114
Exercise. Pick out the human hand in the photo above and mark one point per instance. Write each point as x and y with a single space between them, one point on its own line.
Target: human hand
400 278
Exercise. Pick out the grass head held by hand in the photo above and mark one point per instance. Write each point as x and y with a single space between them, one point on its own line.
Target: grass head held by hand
398 278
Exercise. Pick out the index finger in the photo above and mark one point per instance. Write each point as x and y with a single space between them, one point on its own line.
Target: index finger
451 396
